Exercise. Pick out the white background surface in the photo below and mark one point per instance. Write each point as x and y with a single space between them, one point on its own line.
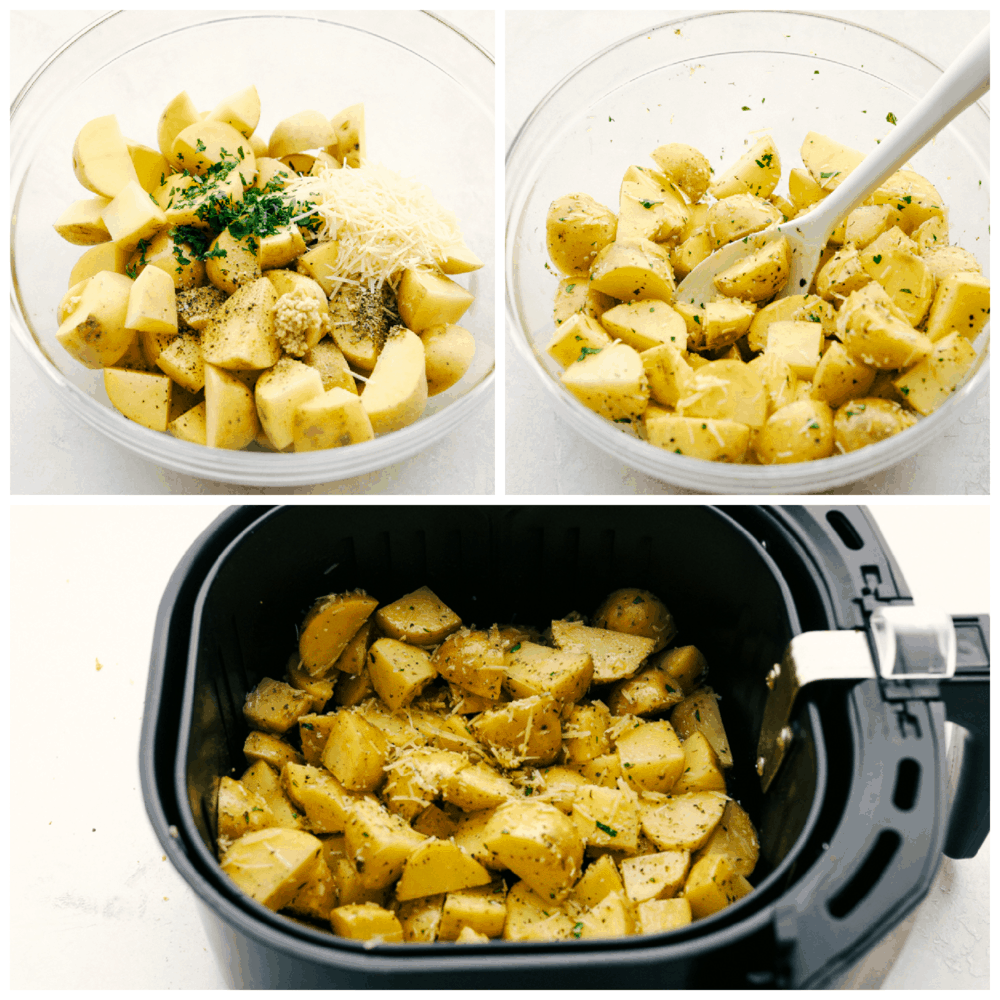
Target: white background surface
544 455
93 902
53 452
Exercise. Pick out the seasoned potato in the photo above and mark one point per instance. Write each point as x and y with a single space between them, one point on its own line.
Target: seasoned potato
577 229
685 167
756 172
799 432
420 618
633 269
270 865
611 381
473 661
636 612
864 421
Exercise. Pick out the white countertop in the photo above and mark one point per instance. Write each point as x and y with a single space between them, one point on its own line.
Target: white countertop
544 454
54 452
94 902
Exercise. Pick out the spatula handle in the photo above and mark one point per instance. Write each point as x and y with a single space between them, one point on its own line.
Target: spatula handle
963 82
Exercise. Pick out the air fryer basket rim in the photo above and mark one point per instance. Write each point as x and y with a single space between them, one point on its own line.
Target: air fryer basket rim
207 864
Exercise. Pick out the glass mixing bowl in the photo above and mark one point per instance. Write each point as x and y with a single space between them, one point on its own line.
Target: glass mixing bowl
428 95
715 81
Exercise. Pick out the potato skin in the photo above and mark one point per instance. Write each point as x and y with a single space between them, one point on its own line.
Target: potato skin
637 612
860 422
799 432
577 229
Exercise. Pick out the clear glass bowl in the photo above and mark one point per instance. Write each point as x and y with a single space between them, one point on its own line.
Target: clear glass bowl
428 94
714 81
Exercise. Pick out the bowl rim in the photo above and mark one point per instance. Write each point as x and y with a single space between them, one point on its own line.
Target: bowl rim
692 473
248 468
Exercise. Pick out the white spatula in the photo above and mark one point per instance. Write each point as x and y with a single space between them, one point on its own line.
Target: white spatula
965 81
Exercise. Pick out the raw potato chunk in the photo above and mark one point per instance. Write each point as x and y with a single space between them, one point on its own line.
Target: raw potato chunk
366 922
82 224
151 303
796 343
103 257
651 756
659 915
713 884
270 865
482 909
239 264
685 166
587 733
271 749
523 731
278 394
240 333
606 817
756 172
636 612
141 396
532 669
579 336
95 332
473 661
760 275
702 772
615 654
600 879
191 426
712 440
880 340
864 421
611 382
734 837
241 110
685 665
420 918
633 269
379 843
962 302
439 866
132 216
725 390
655 876
928 384
574 295
331 420
577 229
840 378
240 810
201 145
892 260
399 672
799 432
100 158
611 917
396 392
330 625
356 752
827 161
318 794
427 299
683 822
649 209
651 691
299 132
645 324
700 713
448 352
667 372
539 845
420 618
738 216
275 706
532 916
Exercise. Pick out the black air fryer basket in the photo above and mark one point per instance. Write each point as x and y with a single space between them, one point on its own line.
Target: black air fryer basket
830 686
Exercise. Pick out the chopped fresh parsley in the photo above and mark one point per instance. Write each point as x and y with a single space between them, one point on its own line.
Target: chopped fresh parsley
877 258
890 118
584 351
607 829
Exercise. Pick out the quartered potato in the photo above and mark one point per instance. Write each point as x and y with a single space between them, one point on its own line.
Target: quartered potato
478 787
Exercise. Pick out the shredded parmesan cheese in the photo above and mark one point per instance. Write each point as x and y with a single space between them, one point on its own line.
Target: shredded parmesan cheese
383 223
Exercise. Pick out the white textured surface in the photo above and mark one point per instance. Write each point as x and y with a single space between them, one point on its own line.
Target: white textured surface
94 905
53 452
544 454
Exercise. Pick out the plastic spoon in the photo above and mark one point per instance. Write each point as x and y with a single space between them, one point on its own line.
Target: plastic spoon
964 82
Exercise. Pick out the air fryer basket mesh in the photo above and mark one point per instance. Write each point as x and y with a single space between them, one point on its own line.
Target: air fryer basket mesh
525 565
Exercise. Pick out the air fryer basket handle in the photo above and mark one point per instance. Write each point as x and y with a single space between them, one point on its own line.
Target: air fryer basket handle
966 697
886 848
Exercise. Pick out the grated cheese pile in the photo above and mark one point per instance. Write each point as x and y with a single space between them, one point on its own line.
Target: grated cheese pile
382 222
